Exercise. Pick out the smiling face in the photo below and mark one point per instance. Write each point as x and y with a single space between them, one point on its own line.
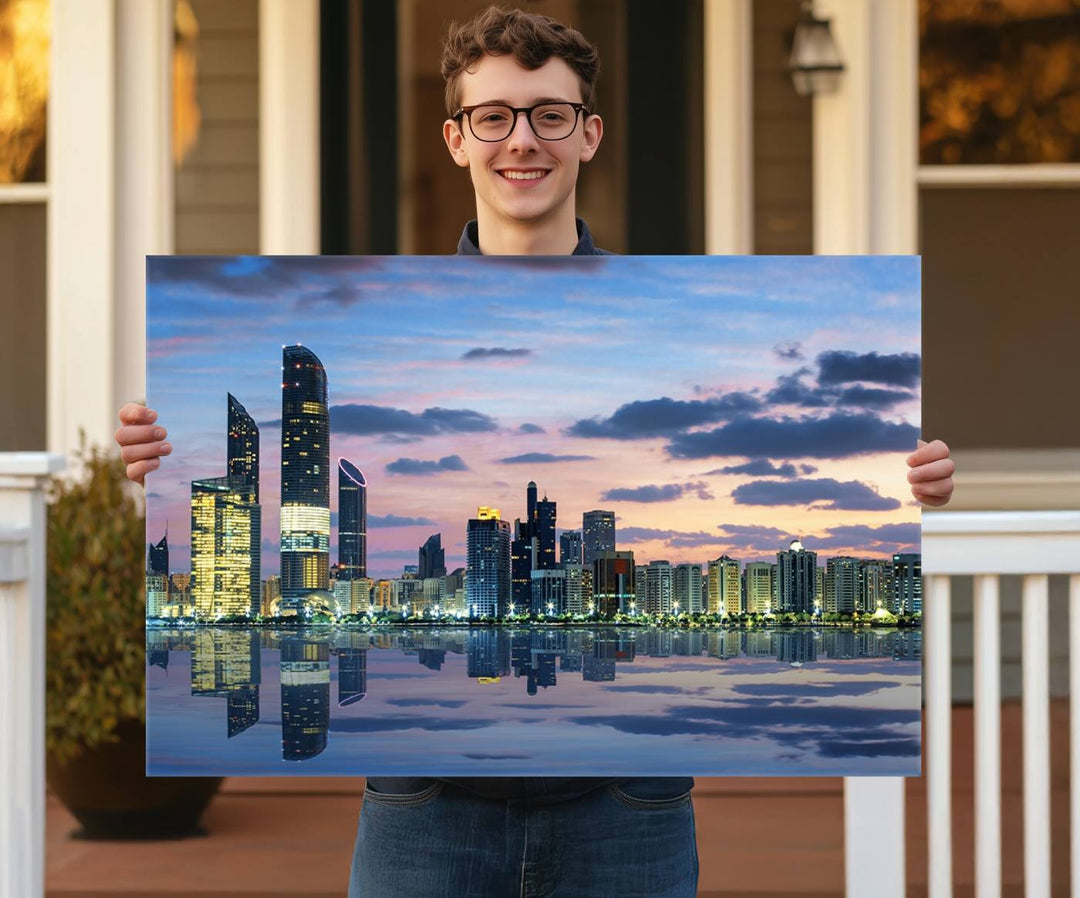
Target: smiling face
522 179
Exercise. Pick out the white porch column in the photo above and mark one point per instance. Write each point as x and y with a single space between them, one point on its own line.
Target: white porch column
865 201
729 127
866 134
81 171
289 127
23 478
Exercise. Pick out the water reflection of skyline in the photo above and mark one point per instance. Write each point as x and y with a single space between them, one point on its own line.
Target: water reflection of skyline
228 663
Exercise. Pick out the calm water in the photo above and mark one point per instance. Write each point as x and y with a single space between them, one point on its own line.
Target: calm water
604 701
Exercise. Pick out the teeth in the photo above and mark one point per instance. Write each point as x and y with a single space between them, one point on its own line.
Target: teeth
523 175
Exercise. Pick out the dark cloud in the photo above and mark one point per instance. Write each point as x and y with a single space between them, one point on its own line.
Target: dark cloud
386 724
847 495
478 756
790 390
842 367
541 458
422 467
759 467
495 352
309 280
366 420
790 352
840 435
873 398
808 469
877 748
673 538
394 520
652 493
890 538
663 417
531 428
415 702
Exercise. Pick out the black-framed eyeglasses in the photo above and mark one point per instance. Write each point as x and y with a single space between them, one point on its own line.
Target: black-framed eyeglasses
492 122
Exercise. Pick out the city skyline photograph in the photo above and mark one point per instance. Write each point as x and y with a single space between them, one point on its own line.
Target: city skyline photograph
719 406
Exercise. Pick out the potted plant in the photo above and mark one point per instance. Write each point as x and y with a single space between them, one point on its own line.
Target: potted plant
95 708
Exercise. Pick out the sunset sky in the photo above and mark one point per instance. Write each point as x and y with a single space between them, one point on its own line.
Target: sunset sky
715 404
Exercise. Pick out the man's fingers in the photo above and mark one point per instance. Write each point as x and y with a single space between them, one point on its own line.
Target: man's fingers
133 434
139 451
935 470
135 413
137 471
935 501
933 488
928 452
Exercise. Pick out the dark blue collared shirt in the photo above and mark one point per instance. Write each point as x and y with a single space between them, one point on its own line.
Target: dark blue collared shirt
469 244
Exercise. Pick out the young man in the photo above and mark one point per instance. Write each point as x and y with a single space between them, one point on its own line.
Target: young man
520 98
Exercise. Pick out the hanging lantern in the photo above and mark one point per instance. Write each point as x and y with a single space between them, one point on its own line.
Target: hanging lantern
815 64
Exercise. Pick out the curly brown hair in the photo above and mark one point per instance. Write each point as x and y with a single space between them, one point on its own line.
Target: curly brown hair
532 40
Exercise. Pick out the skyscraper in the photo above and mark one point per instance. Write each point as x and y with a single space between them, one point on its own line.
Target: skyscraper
352 522
907 583
226 529
841 584
796 577
658 594
432 558
487 572
613 582
243 445
305 475
597 535
157 576
759 587
544 531
686 587
570 548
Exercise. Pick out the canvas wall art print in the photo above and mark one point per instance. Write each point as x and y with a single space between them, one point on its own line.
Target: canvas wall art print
468 516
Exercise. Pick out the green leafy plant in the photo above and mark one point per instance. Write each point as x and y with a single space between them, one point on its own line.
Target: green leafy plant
95 606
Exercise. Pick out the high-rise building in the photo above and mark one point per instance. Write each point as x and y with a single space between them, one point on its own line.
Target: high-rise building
243 445
796 578
841 584
873 587
432 558
686 588
157 556
570 548
305 475
522 562
352 522
597 535
487 567
544 533
226 528
271 595
907 583
659 597
759 586
575 588
641 588
725 588
157 576
549 593
613 582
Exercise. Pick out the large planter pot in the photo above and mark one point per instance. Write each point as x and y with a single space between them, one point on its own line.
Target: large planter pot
107 791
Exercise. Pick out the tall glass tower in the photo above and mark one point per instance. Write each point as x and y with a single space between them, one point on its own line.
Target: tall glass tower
597 535
243 458
352 522
305 474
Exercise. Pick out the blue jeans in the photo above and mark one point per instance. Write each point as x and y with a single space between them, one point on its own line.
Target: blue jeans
441 840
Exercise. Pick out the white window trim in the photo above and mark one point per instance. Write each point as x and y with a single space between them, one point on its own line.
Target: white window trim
1007 176
12 194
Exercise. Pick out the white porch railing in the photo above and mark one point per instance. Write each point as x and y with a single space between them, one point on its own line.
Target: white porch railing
1032 544
23 478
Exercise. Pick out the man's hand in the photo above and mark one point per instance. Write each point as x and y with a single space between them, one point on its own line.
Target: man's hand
931 473
140 440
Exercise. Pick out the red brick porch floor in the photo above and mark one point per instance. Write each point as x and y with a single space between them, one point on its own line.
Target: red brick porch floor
281 838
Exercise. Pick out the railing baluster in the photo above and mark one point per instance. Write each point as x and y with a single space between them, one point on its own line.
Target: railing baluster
1074 730
987 738
938 769
1036 666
